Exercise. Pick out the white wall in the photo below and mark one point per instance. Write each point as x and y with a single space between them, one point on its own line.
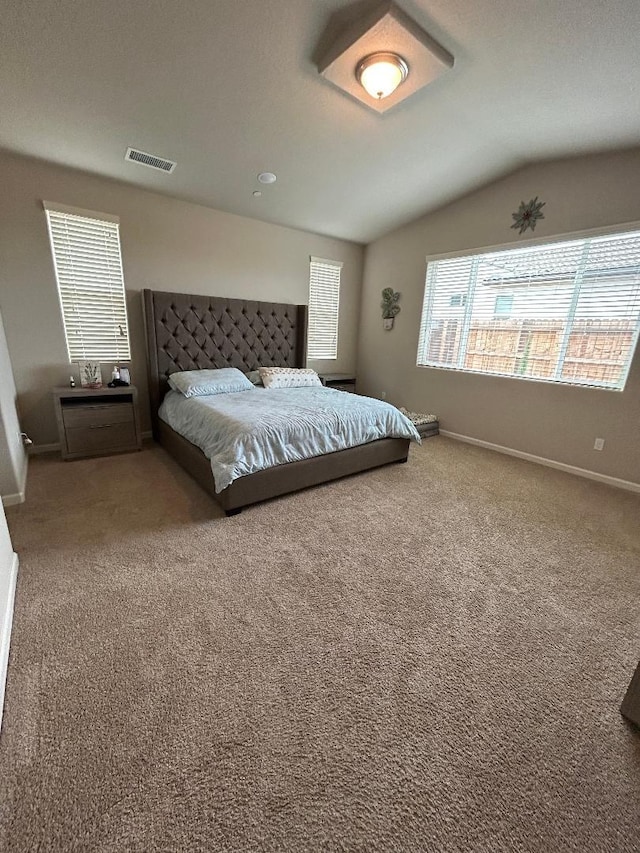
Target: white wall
8 573
167 244
13 472
558 422
13 459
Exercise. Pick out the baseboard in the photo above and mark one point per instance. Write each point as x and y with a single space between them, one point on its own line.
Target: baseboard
35 449
550 463
14 499
19 496
7 593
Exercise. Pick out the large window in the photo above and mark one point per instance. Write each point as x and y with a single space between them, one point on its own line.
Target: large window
324 307
86 256
564 312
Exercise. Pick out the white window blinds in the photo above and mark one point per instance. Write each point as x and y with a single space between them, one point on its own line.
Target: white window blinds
563 312
88 266
324 307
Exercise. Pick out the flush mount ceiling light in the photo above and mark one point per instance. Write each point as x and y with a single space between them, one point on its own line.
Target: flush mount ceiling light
267 178
385 52
381 74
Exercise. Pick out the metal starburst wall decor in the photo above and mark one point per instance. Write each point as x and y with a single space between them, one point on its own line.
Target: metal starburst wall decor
527 215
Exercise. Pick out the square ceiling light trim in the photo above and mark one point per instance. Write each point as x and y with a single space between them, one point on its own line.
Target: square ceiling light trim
390 30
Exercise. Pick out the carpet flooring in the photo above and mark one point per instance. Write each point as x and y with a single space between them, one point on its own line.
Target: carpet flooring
427 657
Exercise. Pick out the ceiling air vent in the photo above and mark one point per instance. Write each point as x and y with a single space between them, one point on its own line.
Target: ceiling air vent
150 160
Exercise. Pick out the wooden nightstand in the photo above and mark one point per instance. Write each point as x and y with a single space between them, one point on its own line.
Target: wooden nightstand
96 422
340 381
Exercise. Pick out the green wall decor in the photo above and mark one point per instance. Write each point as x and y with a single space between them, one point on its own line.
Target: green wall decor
390 307
527 215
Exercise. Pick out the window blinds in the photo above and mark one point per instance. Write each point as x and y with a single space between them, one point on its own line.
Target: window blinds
88 266
564 312
324 306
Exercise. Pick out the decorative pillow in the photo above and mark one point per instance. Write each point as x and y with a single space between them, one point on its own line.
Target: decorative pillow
288 377
254 377
204 383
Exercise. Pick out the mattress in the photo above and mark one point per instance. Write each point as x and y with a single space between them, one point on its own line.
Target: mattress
252 430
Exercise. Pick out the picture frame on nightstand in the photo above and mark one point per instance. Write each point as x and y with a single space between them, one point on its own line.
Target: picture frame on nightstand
90 374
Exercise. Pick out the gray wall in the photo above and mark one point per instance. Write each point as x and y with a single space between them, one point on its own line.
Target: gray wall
553 421
166 245
13 459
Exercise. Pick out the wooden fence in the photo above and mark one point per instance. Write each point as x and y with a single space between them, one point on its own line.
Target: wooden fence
596 350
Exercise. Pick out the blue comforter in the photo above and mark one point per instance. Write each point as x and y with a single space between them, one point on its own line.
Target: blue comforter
246 432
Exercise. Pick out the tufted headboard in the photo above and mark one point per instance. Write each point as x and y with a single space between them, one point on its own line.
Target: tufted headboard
199 332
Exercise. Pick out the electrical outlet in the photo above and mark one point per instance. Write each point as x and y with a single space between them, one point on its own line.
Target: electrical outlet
598 444
383 395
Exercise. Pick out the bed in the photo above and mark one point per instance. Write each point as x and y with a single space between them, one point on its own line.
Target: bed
186 332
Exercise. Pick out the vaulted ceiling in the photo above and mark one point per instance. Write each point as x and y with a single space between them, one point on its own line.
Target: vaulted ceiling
229 88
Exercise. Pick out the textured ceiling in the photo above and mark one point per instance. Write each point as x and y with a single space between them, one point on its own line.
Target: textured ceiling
228 88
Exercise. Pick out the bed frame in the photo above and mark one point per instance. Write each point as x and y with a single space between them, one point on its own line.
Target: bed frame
204 332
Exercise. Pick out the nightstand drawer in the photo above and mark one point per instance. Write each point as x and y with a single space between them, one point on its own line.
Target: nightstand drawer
100 438
98 415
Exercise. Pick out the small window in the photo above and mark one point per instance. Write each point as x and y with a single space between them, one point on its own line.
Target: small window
324 307
503 306
88 267
566 312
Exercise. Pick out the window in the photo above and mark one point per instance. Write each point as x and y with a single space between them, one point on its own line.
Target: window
324 304
458 300
503 305
570 313
88 266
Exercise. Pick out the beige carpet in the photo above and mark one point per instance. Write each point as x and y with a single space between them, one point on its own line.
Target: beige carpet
428 657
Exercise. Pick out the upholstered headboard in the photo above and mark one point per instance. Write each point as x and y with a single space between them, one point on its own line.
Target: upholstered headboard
199 332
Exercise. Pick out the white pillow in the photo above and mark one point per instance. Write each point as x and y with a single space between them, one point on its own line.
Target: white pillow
205 383
288 377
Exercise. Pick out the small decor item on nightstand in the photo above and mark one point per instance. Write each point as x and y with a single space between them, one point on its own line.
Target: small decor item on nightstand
90 374
120 378
390 307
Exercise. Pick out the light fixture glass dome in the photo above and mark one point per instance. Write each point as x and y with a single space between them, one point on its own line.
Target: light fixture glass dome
380 74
